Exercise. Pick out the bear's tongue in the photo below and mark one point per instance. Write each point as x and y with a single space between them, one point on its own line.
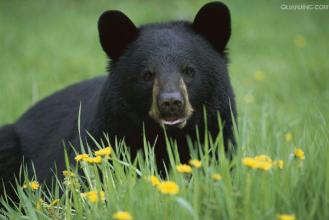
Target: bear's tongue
171 119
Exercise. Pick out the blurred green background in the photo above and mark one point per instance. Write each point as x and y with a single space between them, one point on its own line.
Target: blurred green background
279 58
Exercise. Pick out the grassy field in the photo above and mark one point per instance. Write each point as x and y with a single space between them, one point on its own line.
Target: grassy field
279 70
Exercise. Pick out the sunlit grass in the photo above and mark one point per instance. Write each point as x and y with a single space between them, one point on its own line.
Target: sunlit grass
217 189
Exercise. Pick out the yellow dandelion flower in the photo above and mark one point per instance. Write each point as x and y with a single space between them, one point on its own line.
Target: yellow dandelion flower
300 41
121 215
261 162
264 162
216 177
67 173
279 164
299 153
286 217
249 162
263 158
168 187
249 98
154 180
184 168
104 152
195 163
94 196
288 137
81 157
264 165
259 75
34 185
93 160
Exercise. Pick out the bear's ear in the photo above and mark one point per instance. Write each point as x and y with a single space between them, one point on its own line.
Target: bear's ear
116 32
214 23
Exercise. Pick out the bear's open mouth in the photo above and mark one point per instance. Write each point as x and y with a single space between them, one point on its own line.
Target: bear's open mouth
174 121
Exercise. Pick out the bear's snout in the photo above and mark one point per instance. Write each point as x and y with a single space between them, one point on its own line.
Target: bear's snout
171 104
170 108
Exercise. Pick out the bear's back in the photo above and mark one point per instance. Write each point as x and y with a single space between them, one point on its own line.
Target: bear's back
44 128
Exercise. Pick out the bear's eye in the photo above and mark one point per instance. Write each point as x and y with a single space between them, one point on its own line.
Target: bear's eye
148 76
188 73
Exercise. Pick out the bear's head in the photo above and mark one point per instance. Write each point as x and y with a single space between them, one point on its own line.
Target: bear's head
168 72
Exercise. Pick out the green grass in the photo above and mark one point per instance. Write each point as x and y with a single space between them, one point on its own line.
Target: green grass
47 45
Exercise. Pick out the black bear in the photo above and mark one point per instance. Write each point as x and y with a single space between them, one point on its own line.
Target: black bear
161 76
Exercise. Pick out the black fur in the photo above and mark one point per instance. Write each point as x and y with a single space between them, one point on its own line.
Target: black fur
9 155
118 103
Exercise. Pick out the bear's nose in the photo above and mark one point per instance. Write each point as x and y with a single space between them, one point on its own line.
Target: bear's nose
170 103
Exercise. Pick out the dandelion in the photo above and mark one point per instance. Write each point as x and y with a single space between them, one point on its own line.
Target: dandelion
184 168
120 215
216 177
249 98
34 185
288 137
81 157
94 196
195 163
263 165
168 187
259 75
299 153
67 173
261 162
300 41
93 160
154 180
286 217
279 164
264 162
249 162
104 152
264 158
